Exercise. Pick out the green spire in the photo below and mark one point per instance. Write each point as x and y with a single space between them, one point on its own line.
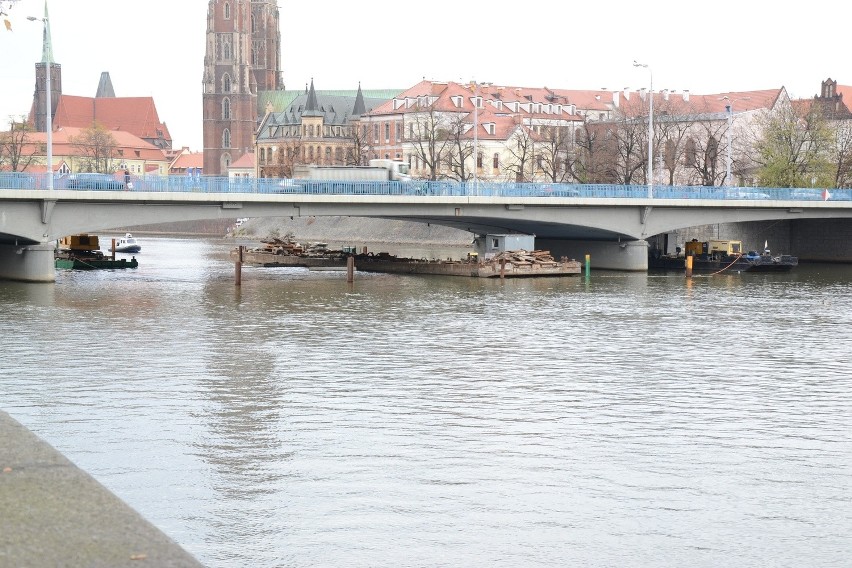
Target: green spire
47 45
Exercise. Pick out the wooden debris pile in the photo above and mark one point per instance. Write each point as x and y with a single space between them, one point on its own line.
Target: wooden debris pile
286 245
535 258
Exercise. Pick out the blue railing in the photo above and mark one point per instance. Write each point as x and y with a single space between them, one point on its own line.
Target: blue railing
205 184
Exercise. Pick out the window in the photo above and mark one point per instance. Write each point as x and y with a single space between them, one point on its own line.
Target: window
328 155
226 138
263 155
226 109
478 160
398 129
387 132
376 133
227 10
226 83
496 161
226 49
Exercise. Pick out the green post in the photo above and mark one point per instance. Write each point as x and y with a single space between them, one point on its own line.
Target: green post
588 265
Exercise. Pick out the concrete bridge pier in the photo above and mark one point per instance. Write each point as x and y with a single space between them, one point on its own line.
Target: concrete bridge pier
629 256
27 263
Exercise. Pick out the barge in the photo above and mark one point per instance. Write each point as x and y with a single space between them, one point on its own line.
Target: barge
723 256
82 252
508 264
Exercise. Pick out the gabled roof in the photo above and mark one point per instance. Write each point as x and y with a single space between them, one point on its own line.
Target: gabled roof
129 146
544 103
137 115
246 161
186 160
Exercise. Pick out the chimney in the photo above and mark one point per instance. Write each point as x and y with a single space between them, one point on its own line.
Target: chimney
686 95
626 93
615 98
665 94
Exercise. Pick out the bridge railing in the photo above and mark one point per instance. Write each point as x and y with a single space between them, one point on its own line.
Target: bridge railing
209 184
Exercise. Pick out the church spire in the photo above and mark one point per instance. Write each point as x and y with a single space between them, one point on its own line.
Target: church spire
311 105
359 108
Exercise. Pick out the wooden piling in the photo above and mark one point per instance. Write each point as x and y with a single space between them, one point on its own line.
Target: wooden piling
113 249
688 264
238 267
502 268
350 268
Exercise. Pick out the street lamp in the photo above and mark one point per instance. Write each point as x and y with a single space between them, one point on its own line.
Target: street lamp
730 110
47 56
473 88
650 129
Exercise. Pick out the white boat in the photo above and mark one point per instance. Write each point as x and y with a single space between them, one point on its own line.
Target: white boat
127 244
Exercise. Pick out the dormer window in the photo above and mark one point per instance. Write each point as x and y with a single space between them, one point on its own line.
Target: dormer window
457 101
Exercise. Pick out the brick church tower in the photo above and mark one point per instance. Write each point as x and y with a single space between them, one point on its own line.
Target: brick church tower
243 58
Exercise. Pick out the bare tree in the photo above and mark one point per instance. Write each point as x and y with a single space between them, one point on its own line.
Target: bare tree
97 149
17 150
595 153
362 148
287 155
703 152
556 157
429 137
459 148
521 161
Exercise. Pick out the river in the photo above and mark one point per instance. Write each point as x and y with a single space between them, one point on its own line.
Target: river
299 421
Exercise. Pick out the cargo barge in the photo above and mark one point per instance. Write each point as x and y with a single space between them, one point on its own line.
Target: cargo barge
723 256
82 252
509 264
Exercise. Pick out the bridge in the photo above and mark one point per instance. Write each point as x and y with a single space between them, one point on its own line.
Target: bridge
609 222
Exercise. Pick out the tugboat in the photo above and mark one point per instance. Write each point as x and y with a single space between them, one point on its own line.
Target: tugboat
82 252
723 256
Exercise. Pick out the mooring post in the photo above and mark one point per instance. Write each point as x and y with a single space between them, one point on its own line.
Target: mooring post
588 265
350 268
238 266
502 268
113 249
688 263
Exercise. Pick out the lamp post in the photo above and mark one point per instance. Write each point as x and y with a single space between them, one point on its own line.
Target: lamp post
650 128
473 87
48 117
730 110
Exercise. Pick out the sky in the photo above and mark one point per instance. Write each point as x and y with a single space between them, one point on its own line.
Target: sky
156 47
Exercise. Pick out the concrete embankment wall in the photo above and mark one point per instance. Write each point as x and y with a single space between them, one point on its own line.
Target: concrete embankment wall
354 230
54 514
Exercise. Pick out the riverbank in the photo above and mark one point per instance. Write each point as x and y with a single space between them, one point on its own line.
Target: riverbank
55 514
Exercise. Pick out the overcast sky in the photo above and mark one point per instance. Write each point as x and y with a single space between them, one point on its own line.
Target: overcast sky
156 47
